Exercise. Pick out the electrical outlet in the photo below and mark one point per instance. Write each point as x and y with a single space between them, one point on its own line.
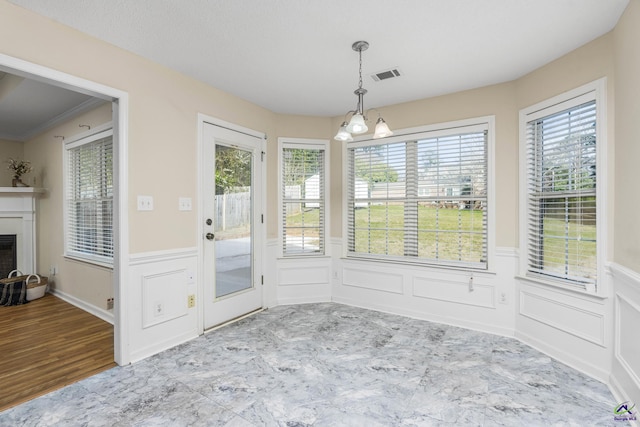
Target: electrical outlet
53 270
109 303
503 298
191 301
145 203
158 309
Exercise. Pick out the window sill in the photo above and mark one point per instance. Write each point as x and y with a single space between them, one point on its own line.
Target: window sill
557 286
95 263
432 267
303 257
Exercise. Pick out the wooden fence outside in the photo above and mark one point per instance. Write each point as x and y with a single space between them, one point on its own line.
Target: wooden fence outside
233 210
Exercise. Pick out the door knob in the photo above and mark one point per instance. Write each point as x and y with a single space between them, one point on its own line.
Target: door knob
209 236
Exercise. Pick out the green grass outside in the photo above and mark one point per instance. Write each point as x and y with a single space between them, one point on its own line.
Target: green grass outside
576 240
452 234
380 230
446 234
305 221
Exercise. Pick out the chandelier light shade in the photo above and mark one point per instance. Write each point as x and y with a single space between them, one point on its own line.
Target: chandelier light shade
382 129
342 134
358 123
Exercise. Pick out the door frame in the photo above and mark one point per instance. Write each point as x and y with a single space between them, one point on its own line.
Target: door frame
261 185
120 103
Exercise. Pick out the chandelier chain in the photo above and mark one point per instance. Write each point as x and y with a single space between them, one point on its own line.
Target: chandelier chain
360 70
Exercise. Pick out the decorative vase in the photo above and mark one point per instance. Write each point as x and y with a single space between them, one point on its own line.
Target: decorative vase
17 182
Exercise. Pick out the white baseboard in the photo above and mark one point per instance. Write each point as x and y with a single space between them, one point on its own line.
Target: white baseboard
105 315
303 300
158 347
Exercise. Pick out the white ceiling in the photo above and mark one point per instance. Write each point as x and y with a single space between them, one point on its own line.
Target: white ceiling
294 56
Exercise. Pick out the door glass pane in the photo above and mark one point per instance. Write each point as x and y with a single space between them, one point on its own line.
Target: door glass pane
233 227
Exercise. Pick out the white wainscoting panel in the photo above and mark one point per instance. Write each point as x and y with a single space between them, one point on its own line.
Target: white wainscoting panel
578 321
627 342
468 291
572 327
299 280
163 296
625 373
158 288
373 279
303 273
436 294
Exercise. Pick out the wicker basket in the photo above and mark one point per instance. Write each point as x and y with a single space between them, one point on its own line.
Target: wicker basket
13 289
36 286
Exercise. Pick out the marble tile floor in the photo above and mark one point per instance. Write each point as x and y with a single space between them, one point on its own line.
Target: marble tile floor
331 365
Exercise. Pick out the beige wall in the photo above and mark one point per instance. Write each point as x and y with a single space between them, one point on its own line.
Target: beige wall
163 147
627 155
11 150
581 66
87 282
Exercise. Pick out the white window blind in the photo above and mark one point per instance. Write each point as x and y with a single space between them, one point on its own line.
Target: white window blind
89 198
421 199
303 200
561 200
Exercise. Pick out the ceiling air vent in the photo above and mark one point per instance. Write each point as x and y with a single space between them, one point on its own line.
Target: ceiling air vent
386 74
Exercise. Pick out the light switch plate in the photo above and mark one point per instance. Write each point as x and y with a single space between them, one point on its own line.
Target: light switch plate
184 203
145 203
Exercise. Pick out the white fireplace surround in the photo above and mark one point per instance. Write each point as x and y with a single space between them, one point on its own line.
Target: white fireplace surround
18 216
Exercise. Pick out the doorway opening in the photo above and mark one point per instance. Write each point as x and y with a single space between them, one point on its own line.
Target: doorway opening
119 103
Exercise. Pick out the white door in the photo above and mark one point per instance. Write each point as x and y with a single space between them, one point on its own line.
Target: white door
232 201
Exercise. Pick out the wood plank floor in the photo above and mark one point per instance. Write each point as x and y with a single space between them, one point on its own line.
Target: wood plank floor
47 344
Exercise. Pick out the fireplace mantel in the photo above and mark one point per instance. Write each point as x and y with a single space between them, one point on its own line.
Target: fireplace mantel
17 216
20 190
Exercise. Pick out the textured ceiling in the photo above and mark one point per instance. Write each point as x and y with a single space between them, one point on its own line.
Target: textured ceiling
294 56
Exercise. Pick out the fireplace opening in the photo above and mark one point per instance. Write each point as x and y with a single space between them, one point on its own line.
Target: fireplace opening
8 259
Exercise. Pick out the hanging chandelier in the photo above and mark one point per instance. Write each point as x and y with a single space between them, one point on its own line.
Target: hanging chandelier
358 123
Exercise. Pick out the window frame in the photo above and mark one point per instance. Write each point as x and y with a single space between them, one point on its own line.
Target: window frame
97 133
594 91
310 144
456 127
